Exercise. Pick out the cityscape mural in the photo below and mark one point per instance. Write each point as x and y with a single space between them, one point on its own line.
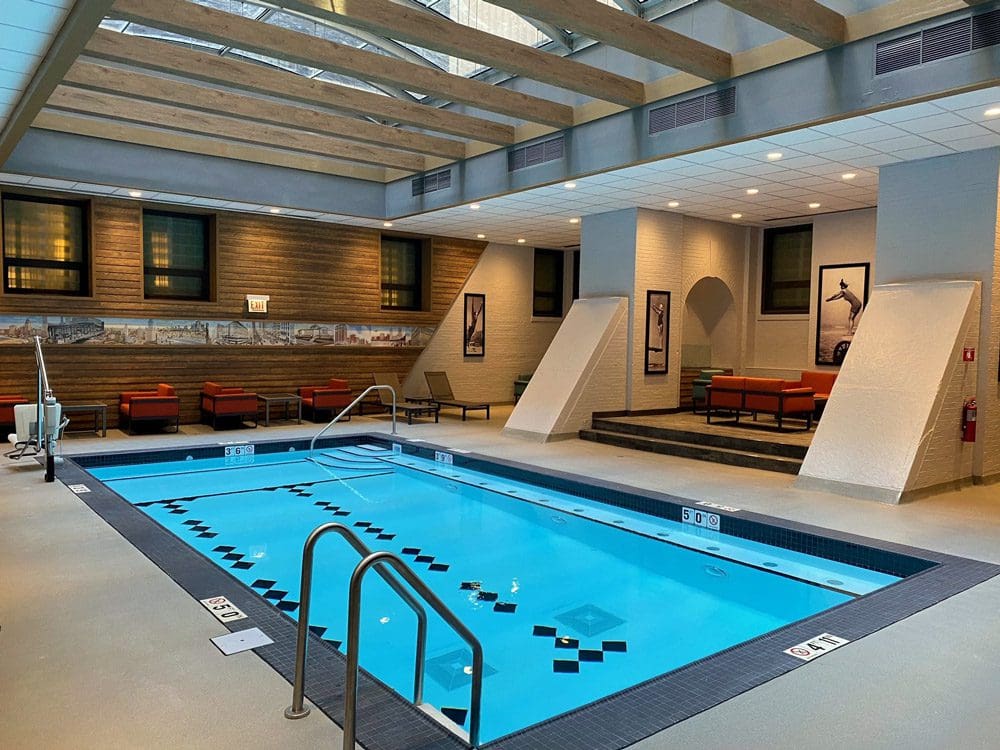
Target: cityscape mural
60 329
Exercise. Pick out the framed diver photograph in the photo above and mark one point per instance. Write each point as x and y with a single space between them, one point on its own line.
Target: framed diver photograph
841 301
657 331
475 325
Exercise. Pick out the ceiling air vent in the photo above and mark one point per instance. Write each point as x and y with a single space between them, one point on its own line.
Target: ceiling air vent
428 183
696 109
938 42
536 153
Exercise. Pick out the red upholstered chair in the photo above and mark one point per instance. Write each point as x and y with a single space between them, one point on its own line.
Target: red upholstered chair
161 405
774 396
7 404
820 382
724 394
218 401
320 400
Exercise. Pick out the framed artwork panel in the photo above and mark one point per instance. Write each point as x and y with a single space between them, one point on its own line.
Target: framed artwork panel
841 301
657 331
474 340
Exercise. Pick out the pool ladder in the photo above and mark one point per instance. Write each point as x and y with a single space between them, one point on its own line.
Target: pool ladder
377 560
355 402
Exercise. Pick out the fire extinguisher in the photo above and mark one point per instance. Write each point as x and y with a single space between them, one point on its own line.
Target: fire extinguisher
969 421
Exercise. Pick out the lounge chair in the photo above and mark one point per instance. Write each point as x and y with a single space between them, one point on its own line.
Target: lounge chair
161 405
227 402
319 402
442 396
407 407
7 404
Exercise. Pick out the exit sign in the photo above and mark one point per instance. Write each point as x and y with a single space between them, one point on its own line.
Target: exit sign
968 354
257 303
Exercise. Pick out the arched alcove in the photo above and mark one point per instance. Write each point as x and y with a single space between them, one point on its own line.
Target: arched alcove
711 326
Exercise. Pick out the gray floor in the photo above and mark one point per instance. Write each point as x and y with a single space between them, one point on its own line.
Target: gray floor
99 649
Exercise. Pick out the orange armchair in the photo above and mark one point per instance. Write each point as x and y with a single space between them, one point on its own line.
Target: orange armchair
218 401
7 404
161 405
317 399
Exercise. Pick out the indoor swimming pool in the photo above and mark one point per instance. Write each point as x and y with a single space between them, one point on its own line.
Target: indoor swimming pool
573 598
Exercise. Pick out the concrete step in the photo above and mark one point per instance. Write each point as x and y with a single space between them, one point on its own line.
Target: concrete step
748 444
729 456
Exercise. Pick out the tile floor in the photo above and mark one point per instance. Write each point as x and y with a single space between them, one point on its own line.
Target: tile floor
99 649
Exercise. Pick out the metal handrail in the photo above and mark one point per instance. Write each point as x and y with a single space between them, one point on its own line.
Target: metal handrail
353 642
354 403
45 408
297 710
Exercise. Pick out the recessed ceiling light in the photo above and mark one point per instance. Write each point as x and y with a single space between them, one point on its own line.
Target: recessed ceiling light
387 223
673 204
752 191
992 112
848 176
480 236
814 205
569 185
274 210
135 193
737 216
774 156
574 220
474 206
521 240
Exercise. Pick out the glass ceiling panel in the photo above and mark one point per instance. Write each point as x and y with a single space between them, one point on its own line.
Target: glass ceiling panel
313 28
135 29
236 7
488 18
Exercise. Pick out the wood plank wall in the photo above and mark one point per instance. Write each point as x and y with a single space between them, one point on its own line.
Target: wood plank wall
313 272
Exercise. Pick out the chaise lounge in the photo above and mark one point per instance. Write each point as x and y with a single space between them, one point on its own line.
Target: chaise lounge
441 395
219 402
407 407
755 395
161 405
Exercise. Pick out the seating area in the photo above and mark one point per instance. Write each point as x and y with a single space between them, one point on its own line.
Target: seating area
231 404
320 402
409 407
160 405
441 394
7 404
737 395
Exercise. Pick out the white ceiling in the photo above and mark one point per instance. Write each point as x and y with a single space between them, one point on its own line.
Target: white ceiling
27 28
710 184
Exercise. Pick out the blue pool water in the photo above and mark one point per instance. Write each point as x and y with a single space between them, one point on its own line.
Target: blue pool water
573 600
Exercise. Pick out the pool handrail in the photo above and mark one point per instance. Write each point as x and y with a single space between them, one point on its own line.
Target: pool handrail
297 710
376 559
354 403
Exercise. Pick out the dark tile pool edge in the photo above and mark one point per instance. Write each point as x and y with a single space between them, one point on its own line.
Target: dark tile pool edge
385 721
611 723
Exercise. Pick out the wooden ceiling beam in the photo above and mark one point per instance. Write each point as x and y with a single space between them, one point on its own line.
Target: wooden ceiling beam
260 79
153 88
619 29
805 19
208 24
434 31
232 128
113 130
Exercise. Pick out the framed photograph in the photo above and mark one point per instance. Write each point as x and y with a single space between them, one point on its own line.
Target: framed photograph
842 298
475 325
657 331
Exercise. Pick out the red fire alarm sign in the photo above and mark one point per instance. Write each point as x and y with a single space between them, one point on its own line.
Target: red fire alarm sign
968 354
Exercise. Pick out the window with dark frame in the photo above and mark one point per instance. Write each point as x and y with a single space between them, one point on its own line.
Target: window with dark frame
402 273
176 255
787 270
45 246
548 295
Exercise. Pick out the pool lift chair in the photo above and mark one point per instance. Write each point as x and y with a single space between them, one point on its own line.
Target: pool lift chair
48 425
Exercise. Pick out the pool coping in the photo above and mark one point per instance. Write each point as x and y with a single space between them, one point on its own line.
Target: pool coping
388 721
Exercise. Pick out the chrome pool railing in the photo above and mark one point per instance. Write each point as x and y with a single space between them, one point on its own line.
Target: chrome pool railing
355 402
297 710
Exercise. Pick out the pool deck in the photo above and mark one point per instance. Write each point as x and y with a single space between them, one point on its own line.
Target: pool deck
100 649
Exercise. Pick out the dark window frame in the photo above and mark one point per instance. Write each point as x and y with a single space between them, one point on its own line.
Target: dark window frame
206 273
768 285
555 295
81 266
419 273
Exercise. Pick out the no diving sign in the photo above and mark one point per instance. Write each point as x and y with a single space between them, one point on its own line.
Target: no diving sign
817 646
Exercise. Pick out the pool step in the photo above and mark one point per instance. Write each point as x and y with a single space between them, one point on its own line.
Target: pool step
751 443
691 446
